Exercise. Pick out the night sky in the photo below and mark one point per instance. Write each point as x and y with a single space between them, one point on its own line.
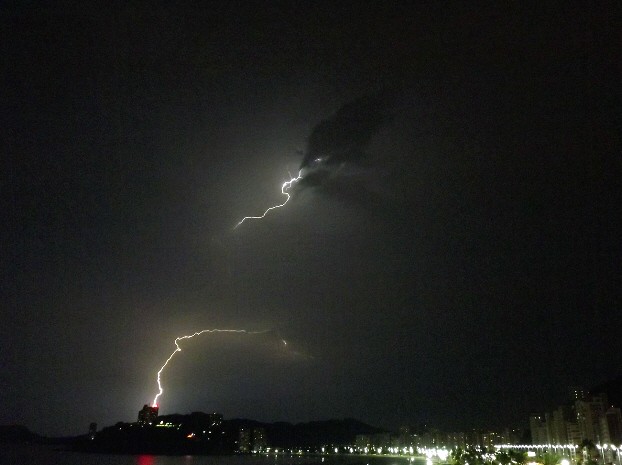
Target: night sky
454 257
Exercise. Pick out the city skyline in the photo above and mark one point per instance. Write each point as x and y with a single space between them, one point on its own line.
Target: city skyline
450 255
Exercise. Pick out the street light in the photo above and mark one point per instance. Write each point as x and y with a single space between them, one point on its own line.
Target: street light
602 451
616 450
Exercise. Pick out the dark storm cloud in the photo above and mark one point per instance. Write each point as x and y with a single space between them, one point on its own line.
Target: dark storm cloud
345 136
352 153
453 225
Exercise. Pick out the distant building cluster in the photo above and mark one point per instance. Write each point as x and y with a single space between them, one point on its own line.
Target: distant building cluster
433 438
585 421
252 440
585 417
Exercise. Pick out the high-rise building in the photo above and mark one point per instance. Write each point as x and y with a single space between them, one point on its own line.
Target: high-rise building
573 432
589 413
539 432
251 440
244 441
490 438
589 417
456 440
556 423
260 440
148 415
473 438
611 426
576 393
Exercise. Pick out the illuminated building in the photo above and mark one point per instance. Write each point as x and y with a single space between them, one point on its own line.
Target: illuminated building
589 413
537 425
587 417
611 426
456 439
260 440
148 415
557 423
576 393
573 433
215 419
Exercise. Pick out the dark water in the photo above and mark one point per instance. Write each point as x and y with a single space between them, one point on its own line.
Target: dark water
44 455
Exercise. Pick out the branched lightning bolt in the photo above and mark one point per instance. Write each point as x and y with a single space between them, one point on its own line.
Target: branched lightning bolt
190 336
284 188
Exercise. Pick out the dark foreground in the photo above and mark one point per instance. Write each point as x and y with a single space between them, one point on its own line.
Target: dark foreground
200 434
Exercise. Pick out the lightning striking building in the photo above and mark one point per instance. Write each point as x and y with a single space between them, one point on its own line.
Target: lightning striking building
148 415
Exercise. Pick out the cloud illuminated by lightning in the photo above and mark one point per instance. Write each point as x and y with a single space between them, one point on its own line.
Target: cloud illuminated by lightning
190 336
284 188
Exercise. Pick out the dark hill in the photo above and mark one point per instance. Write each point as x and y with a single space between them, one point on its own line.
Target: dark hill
17 433
199 433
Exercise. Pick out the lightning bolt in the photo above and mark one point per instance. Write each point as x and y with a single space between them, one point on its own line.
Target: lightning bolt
284 188
178 349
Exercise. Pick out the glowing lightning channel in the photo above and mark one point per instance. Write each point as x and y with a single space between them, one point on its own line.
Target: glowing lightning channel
284 188
178 349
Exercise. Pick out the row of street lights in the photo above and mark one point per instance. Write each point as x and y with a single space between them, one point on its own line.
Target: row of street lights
614 449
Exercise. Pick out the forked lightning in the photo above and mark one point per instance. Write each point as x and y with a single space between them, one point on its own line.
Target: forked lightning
284 188
190 336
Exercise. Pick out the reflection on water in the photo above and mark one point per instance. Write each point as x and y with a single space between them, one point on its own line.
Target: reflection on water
145 460
24 454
